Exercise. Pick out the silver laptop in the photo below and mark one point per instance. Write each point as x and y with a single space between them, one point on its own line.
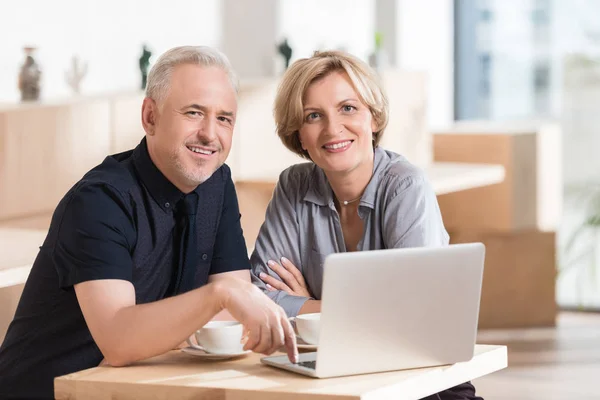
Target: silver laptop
386 310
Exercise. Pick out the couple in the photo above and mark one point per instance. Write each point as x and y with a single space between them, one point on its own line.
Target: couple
147 247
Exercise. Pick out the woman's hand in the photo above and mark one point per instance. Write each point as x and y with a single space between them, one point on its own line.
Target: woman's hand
292 281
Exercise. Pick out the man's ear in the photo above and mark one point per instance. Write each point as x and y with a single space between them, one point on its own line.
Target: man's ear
149 115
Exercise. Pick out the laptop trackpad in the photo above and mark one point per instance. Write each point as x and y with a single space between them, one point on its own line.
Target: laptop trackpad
305 360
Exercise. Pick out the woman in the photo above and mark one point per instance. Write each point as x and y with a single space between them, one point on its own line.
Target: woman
353 196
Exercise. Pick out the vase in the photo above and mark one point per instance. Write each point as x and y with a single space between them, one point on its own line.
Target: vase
29 77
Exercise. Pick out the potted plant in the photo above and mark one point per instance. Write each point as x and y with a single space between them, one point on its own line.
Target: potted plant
581 249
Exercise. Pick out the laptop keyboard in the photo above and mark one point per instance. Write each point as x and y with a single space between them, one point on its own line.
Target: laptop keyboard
308 364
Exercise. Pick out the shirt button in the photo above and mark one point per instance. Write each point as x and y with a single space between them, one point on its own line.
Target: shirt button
204 256
167 205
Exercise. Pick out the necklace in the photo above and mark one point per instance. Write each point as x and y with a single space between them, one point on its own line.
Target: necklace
346 202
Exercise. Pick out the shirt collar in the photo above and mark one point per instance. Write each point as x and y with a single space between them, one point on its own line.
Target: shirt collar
319 190
380 162
161 189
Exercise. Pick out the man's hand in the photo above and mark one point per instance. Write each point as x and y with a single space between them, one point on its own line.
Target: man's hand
265 323
126 332
243 274
293 281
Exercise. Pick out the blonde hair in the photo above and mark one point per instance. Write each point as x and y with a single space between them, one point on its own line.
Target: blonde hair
159 78
289 107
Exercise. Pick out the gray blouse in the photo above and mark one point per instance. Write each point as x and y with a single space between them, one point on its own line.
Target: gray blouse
399 209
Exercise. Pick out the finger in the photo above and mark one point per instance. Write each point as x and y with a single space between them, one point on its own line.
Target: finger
276 283
265 339
253 338
277 337
290 339
291 268
271 288
283 273
245 337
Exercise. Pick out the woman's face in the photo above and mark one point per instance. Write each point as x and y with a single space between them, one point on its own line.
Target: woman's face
337 130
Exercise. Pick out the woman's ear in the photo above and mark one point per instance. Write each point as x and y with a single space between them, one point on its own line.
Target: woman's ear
300 141
374 127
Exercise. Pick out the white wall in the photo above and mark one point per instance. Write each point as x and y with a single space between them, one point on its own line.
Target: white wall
569 22
313 25
107 33
386 22
512 52
425 42
249 32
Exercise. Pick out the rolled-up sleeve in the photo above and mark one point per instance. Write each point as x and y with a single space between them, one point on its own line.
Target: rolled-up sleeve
95 238
412 217
279 237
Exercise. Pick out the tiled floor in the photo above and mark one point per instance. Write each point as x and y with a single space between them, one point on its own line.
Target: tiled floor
547 363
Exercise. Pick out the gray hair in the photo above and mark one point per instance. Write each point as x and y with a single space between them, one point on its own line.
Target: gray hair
159 78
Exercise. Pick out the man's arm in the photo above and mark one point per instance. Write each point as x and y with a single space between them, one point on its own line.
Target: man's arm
223 315
126 332
93 255
243 275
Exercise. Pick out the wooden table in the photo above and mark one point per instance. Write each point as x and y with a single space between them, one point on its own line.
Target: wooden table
176 375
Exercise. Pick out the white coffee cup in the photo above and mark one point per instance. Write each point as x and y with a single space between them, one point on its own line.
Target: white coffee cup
219 337
308 327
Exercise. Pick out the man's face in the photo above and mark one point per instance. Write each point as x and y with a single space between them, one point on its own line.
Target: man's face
189 132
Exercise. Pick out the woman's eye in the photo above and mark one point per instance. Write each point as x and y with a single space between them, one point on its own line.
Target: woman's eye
312 116
348 108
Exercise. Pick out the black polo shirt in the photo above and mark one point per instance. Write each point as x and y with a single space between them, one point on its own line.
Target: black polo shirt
116 223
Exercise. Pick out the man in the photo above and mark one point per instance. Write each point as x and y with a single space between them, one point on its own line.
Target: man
148 246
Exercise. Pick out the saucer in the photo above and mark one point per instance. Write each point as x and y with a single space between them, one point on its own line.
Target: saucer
305 346
201 353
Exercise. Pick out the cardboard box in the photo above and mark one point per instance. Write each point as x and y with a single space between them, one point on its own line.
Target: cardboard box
253 197
519 278
530 197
